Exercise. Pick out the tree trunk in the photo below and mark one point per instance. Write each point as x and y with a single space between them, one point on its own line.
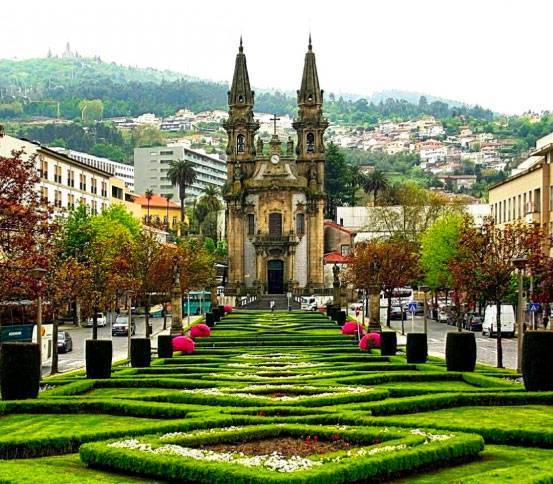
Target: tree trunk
389 311
499 342
460 316
54 368
164 316
95 323
147 316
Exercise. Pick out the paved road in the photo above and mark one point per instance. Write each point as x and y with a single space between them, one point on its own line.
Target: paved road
486 347
75 359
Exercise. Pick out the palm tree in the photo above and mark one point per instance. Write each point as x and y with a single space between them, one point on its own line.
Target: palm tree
168 197
182 173
148 194
211 198
375 183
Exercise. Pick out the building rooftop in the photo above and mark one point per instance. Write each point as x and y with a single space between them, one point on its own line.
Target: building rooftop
155 201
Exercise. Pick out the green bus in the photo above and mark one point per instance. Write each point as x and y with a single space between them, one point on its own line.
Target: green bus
196 302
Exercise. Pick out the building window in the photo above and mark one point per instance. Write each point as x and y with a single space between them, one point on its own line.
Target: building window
251 224
310 142
300 224
43 169
275 224
524 204
174 222
93 186
70 201
57 199
537 200
44 195
164 153
82 182
70 178
104 189
240 143
57 174
499 218
94 206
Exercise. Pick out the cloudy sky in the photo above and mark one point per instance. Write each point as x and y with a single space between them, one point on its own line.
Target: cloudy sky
496 53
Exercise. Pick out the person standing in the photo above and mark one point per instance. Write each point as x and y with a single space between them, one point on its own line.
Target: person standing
272 305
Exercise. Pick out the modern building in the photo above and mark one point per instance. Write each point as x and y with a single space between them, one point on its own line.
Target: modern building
275 197
527 195
151 166
64 182
120 170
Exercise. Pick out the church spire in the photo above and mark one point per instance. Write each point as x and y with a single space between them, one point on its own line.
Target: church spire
310 93
240 93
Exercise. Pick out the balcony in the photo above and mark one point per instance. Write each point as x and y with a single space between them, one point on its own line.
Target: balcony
271 241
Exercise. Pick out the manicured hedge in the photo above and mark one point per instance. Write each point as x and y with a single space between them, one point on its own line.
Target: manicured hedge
537 360
209 320
417 348
19 370
141 352
460 351
98 355
165 346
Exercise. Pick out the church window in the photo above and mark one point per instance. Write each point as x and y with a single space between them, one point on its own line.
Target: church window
240 143
310 142
240 99
275 224
310 98
300 224
251 224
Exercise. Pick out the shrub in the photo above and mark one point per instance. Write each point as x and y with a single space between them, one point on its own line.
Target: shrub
221 310
98 358
164 346
460 351
537 360
340 318
19 370
140 352
209 320
216 314
388 345
417 348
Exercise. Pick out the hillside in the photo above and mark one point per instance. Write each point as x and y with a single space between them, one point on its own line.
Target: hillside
35 87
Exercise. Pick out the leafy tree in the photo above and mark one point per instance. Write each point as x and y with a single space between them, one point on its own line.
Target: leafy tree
91 110
375 182
146 135
181 173
439 245
340 182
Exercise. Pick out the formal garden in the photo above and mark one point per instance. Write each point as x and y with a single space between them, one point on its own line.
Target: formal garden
279 397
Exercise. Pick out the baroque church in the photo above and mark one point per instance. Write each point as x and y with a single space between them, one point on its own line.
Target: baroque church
275 192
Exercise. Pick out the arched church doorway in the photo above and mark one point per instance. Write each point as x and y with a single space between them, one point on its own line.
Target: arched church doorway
275 277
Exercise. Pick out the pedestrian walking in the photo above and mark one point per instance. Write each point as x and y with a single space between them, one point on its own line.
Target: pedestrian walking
272 305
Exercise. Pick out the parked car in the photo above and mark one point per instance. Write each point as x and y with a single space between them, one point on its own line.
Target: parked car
357 305
308 303
121 326
65 343
472 322
396 312
489 326
101 321
444 314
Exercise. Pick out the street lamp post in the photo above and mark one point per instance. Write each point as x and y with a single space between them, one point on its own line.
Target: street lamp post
520 264
425 289
129 324
38 273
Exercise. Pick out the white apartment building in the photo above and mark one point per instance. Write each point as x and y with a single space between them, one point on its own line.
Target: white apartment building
151 166
119 170
64 182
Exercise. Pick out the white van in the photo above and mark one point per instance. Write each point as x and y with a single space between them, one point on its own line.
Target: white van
489 326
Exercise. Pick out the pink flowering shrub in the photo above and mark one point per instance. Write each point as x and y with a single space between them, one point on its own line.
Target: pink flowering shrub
200 331
369 341
184 344
352 327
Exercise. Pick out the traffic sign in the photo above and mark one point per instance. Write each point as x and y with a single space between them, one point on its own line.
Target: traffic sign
533 306
412 307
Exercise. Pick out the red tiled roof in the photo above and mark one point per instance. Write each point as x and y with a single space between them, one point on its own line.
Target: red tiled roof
330 223
335 258
155 201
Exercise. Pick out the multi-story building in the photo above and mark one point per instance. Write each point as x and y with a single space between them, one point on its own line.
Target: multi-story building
64 182
528 194
151 166
120 170
158 211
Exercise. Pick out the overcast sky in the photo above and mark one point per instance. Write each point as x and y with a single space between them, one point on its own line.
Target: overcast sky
496 53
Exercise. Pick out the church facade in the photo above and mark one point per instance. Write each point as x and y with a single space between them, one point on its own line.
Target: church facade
275 192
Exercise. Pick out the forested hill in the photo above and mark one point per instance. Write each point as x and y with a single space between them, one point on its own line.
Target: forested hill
35 87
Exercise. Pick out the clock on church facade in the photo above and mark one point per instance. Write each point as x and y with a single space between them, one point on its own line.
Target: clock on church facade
275 194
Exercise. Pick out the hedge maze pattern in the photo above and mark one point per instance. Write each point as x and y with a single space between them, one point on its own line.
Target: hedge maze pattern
272 378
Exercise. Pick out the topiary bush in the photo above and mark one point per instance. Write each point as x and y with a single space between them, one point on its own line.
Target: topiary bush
340 318
388 345
216 315
537 361
164 346
98 357
417 348
209 320
19 370
460 351
140 352
221 310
